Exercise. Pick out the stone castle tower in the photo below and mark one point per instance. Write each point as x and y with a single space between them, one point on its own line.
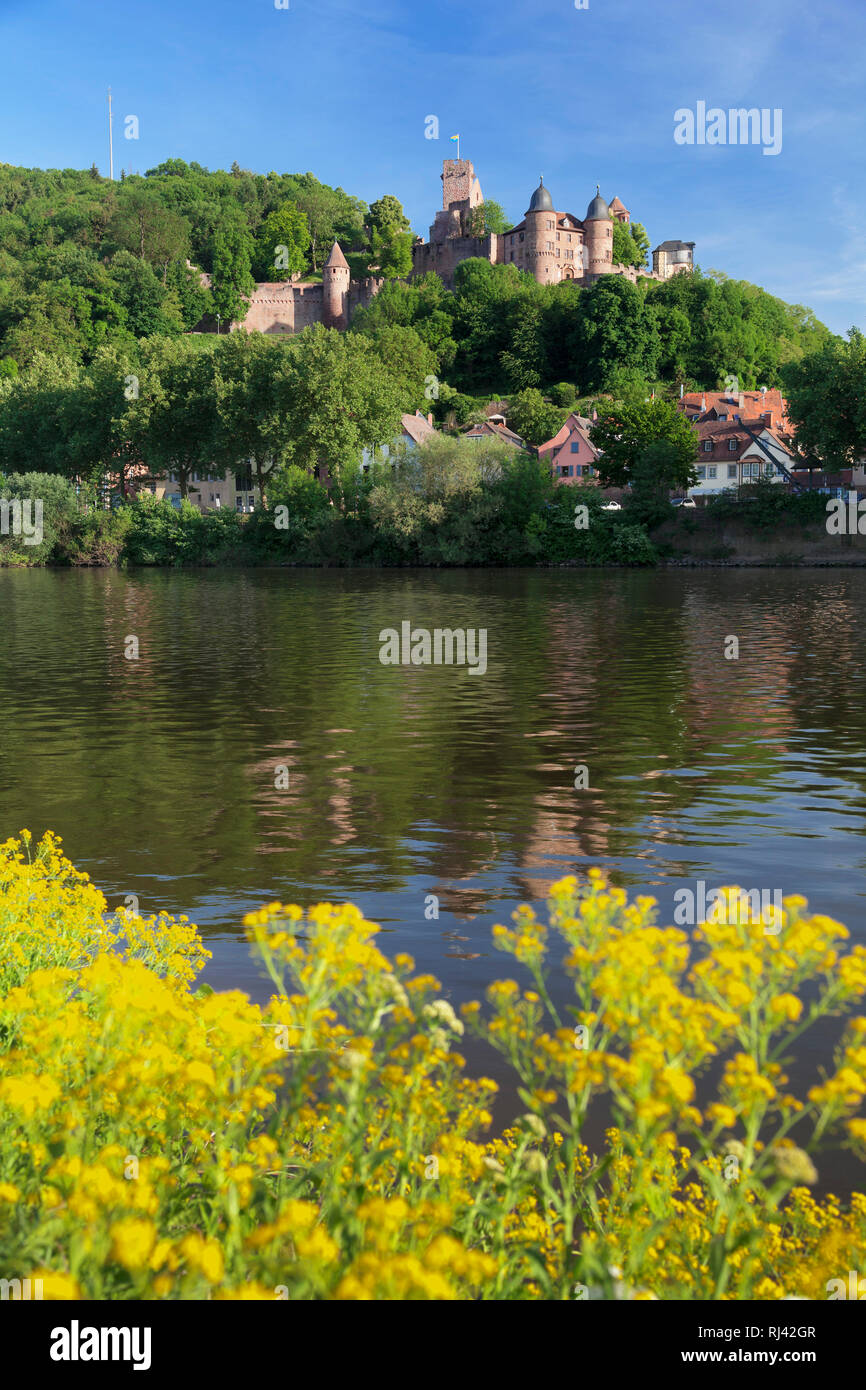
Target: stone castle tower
598 236
335 290
540 244
550 245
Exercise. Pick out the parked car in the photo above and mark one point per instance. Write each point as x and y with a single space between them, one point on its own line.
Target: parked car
611 507
683 502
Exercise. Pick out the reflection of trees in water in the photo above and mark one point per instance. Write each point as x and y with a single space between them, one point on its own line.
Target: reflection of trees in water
402 772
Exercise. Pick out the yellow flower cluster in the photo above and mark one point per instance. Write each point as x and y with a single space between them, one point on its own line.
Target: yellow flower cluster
161 1141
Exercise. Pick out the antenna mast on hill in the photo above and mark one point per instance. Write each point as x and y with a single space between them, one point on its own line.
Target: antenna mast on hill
110 140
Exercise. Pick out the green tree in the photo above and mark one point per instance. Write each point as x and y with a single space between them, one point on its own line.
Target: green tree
36 416
391 239
182 431
387 217
143 225
284 236
615 328
337 398
826 393
488 217
656 471
232 278
149 306
533 418
411 364
624 432
322 207
253 428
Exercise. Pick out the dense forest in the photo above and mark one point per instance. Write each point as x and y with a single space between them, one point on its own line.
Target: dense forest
87 263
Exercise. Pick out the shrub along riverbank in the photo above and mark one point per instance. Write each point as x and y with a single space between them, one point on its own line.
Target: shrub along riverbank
164 1141
439 508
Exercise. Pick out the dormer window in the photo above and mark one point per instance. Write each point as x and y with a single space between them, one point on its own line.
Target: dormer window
733 446
708 446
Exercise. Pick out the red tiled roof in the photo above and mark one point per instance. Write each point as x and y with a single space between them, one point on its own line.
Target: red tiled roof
417 427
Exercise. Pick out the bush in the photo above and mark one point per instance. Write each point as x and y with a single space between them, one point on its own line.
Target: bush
46 504
564 394
160 534
163 1141
765 505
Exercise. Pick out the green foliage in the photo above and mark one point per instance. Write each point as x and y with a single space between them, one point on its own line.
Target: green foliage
564 394
765 506
49 506
340 398
623 433
630 244
284 236
489 217
161 534
656 472
410 363
826 394
533 418
232 277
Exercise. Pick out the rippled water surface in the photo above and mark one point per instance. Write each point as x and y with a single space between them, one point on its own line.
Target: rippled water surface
404 782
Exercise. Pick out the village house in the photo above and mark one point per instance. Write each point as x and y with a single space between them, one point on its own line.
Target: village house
744 436
415 430
571 454
495 428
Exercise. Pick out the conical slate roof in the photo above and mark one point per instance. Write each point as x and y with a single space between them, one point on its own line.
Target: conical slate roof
337 258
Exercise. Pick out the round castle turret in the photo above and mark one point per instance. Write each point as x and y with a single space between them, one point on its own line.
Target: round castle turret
598 236
540 258
335 290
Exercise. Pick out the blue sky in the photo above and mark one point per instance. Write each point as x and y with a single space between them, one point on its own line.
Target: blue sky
533 86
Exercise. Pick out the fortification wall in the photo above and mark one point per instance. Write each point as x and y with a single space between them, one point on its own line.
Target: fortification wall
444 257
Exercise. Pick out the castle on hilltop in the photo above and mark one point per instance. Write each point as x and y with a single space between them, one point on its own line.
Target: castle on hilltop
549 245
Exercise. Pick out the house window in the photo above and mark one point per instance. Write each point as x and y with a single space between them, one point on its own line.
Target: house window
575 446
549 245
732 470
708 446
559 236
557 250
702 473
711 471
563 470
723 415
521 236
733 446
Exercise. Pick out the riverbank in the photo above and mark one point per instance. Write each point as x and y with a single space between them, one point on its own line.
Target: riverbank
503 525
